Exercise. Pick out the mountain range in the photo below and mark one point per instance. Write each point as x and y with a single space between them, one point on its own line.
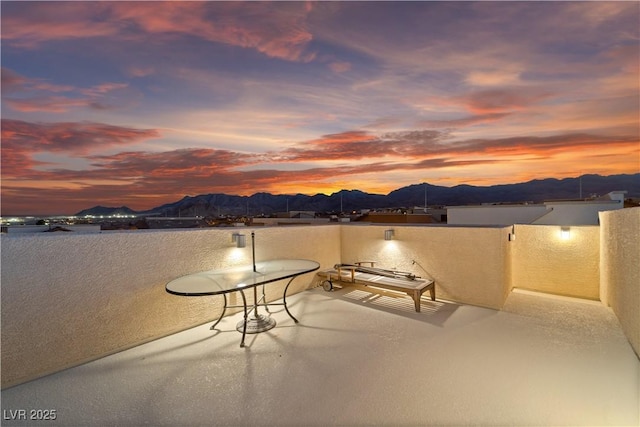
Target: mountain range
535 191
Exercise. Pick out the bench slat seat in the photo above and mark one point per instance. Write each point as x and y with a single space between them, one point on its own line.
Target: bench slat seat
349 274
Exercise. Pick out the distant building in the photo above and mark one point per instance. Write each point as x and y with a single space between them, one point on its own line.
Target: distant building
290 218
560 212
438 213
397 218
296 214
76 228
175 222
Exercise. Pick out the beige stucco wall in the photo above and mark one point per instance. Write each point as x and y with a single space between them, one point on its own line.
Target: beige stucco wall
468 264
542 261
620 272
70 298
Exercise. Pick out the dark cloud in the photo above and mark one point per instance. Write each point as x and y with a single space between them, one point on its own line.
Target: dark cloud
11 81
72 137
503 100
22 140
28 95
415 87
356 145
162 175
193 162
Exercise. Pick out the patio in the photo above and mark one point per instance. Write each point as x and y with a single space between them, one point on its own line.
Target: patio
361 358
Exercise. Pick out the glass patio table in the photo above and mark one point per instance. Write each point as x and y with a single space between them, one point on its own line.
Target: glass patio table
234 279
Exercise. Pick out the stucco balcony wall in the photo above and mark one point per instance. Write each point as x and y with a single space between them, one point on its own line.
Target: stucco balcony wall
620 270
543 260
70 298
470 265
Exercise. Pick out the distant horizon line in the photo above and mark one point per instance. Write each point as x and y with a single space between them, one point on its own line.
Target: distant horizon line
2 215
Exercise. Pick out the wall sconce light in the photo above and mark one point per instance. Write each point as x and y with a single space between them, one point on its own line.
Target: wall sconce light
388 234
239 239
512 235
565 233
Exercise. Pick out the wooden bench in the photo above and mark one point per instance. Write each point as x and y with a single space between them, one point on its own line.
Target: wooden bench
379 278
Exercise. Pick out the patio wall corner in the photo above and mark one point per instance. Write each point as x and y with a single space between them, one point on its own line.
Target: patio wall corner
466 263
557 260
620 273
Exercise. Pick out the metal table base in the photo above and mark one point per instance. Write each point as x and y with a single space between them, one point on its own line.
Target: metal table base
254 322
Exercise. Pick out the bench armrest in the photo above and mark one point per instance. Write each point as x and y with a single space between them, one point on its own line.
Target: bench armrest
352 269
371 263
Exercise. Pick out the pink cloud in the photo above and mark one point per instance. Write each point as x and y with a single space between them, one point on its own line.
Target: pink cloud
340 66
13 82
103 88
421 145
464 121
407 146
74 137
51 104
280 33
41 22
11 79
30 95
139 71
359 145
502 100
158 177
195 162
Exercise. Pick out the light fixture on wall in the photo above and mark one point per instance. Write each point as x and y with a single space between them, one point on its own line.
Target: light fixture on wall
239 239
389 234
512 235
565 233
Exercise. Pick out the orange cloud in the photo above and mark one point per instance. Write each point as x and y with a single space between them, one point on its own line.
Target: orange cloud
503 100
566 143
153 178
493 77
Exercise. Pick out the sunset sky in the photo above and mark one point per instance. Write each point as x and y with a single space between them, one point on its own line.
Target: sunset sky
142 103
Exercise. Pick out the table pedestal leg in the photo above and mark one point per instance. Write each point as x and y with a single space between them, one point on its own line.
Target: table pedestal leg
256 322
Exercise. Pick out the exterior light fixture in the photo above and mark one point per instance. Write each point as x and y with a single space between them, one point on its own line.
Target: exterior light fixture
388 234
565 233
239 239
512 235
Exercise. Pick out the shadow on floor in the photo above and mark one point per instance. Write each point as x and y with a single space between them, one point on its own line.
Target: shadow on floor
433 312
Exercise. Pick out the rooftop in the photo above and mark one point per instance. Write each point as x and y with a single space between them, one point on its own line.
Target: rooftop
362 358
90 335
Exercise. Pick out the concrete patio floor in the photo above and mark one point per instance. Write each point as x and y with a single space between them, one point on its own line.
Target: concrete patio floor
358 358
